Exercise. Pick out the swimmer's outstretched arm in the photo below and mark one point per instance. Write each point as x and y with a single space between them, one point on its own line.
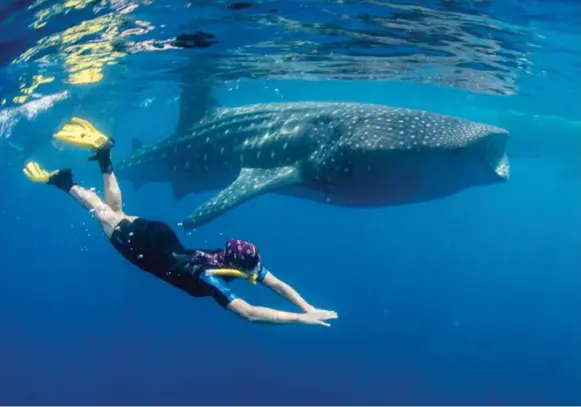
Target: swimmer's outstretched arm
224 296
271 316
286 291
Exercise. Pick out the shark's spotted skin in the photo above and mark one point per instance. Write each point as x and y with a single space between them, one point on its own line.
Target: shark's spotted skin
348 154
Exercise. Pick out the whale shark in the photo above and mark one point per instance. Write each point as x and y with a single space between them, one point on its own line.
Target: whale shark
336 153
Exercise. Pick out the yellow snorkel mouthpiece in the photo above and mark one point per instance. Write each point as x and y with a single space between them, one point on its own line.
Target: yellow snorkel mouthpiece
251 278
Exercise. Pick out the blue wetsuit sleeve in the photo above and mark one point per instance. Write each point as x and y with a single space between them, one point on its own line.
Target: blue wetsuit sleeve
261 274
218 289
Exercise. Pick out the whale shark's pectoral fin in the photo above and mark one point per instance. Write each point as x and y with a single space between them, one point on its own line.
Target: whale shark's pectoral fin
251 183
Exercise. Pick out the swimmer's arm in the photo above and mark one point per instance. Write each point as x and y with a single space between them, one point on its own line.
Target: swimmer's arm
285 291
265 315
226 298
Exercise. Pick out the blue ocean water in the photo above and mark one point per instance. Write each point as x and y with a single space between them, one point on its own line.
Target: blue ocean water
473 299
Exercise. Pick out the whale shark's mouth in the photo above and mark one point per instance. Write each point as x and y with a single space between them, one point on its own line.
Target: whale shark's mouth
496 155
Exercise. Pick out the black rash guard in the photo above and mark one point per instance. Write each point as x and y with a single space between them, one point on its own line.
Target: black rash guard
150 245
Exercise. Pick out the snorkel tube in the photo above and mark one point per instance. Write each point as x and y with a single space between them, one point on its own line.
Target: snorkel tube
251 278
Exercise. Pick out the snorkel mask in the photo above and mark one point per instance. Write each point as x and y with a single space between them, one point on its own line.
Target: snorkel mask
253 274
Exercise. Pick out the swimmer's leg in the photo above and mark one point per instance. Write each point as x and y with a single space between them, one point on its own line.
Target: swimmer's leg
112 191
107 217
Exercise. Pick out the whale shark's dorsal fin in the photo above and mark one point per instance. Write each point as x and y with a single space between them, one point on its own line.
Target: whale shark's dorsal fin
251 183
136 145
196 101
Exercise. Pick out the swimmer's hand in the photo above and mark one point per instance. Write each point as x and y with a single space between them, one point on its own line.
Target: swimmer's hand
318 317
313 309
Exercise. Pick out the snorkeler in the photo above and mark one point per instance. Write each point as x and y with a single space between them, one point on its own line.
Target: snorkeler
154 247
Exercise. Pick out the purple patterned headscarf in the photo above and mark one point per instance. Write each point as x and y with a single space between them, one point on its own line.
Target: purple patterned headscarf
241 254
238 254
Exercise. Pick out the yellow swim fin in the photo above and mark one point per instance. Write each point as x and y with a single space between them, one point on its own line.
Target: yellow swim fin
62 179
36 173
80 133
251 278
